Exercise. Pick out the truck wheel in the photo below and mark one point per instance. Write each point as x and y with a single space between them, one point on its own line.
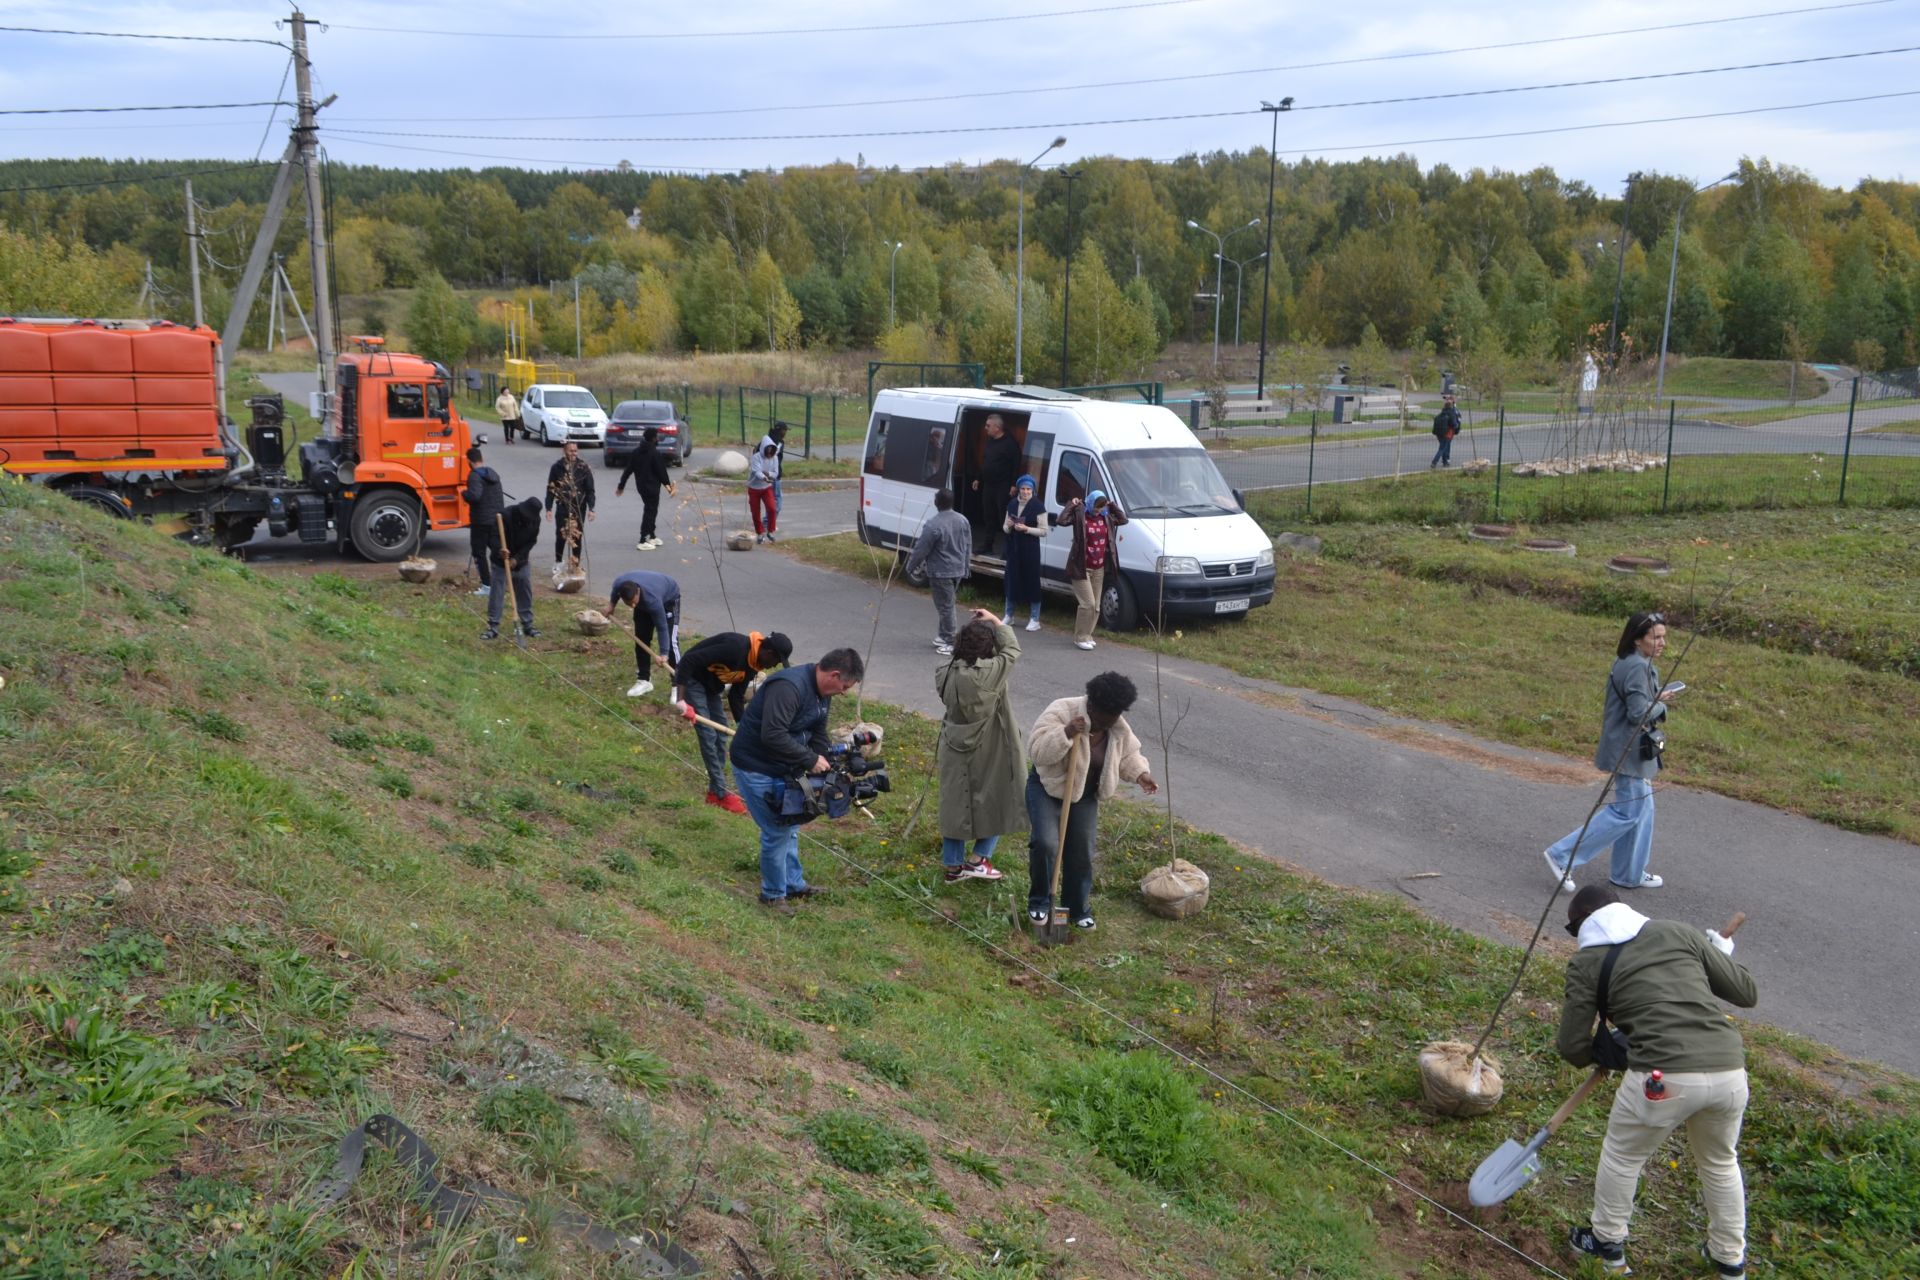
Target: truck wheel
387 525
100 500
1119 610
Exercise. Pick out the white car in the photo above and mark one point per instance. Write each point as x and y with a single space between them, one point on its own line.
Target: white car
555 412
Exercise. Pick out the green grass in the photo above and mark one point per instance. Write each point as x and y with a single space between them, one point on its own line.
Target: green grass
1868 411
303 947
1740 379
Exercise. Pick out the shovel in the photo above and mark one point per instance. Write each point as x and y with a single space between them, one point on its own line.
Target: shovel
1514 1166
1057 930
519 636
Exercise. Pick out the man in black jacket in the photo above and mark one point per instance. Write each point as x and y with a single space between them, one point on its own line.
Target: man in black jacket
648 469
1000 466
720 665
523 532
485 497
783 735
569 502
1446 425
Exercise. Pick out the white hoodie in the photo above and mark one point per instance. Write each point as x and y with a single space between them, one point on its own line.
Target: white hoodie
1615 922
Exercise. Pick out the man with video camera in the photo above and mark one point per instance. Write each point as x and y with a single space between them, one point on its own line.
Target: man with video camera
782 736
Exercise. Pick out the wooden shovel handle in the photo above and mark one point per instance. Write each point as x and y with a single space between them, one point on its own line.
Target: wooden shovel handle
1577 1097
1733 924
1066 807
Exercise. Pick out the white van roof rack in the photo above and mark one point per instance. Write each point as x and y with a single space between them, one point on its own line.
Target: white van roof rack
1027 391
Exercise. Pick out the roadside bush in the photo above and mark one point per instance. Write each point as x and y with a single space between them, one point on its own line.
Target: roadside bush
1140 1112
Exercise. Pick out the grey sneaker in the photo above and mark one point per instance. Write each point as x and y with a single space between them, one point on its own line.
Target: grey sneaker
1612 1255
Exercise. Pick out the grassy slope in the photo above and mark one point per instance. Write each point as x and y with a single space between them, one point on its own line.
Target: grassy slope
360 875
1743 379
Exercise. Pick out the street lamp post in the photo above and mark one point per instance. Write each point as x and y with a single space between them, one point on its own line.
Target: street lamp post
1020 256
1673 272
1266 276
891 322
1066 293
1219 270
1238 265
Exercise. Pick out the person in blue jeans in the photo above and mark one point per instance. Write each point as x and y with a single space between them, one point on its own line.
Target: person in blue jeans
782 736
1632 738
1446 425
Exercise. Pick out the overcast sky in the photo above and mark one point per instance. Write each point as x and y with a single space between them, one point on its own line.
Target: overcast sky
727 86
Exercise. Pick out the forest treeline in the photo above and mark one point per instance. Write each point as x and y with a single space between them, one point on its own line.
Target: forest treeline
1480 264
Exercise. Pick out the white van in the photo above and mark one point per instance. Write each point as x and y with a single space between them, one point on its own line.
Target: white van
1188 547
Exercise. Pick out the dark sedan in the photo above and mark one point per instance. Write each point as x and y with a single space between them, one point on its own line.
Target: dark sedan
629 422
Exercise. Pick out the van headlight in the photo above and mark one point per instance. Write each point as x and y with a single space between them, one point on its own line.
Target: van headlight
1176 565
1266 559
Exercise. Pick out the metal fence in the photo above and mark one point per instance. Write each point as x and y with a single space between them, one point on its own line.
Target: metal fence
1858 444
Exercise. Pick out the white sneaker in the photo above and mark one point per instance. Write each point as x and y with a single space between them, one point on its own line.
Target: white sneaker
483 591
1083 644
653 544
1033 624
640 688
1560 873
1648 881
944 650
640 546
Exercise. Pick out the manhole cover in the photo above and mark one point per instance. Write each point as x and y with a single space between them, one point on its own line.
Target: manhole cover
1639 564
1491 532
1549 546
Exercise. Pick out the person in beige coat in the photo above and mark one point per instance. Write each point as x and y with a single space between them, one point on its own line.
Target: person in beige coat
980 760
1110 755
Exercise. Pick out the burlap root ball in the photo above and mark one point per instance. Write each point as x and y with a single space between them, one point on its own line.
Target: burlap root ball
740 540
592 622
1455 1082
1175 890
417 569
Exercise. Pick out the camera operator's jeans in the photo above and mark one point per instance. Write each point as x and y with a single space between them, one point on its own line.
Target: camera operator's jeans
780 871
1076 873
1626 824
713 749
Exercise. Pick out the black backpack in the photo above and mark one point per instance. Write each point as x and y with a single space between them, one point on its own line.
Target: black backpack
1609 1042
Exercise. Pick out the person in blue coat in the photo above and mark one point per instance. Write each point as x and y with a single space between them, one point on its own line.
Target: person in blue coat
1025 524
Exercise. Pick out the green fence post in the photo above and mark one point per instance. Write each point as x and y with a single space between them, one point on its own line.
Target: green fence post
833 425
1846 456
740 408
1313 434
807 426
719 412
1499 454
1666 481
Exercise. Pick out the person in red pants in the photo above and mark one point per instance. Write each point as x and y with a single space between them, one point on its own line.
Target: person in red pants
763 469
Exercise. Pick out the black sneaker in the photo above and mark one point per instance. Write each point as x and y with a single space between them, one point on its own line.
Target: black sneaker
491 633
1612 1255
1723 1268
780 906
531 633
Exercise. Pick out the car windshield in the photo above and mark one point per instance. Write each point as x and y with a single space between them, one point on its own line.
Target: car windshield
1170 482
643 411
564 399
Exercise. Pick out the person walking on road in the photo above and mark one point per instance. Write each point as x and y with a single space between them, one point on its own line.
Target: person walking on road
1631 742
711 681
1660 983
763 475
1111 756
509 411
944 550
655 601
981 764
1446 425
1000 465
486 499
647 468
777 437
1025 525
569 504
783 735
511 567
1093 522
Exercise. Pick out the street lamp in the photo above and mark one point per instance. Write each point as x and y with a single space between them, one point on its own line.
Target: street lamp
1066 294
1239 263
1266 276
1219 258
1020 255
1673 271
890 261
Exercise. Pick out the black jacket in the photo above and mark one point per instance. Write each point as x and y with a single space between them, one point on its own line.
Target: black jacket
647 468
1446 423
523 529
1000 466
720 662
484 496
785 726
564 489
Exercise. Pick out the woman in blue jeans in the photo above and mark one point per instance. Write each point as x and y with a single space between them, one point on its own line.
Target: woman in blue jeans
1631 740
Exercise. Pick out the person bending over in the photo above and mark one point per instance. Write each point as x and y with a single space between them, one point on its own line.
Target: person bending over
711 681
655 601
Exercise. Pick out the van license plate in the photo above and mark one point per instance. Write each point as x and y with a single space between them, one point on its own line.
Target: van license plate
1231 606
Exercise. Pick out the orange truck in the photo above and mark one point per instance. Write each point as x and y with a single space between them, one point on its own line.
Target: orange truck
125 414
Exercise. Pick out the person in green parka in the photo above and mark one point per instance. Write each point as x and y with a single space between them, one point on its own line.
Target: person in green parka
983 766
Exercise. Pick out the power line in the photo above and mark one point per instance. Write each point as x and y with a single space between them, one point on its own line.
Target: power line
136 35
271 115
1016 90
444 33
120 182
192 106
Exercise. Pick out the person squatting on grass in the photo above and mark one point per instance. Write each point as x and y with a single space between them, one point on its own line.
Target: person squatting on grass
1634 697
1093 523
724 663
1663 994
510 565
569 503
945 548
648 470
1111 756
1025 525
783 735
655 601
763 473
980 761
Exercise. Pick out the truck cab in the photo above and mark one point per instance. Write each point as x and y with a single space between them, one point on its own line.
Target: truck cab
399 463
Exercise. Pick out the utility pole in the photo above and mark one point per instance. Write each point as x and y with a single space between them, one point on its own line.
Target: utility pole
1266 275
576 318
305 137
193 255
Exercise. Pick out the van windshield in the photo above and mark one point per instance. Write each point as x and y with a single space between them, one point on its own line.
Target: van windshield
570 400
1169 482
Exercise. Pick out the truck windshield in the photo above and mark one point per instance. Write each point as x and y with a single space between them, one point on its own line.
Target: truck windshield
570 400
1170 483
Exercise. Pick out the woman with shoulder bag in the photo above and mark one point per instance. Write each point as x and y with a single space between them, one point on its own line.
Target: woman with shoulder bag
1631 742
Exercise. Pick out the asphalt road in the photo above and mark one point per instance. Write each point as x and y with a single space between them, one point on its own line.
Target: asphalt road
1327 785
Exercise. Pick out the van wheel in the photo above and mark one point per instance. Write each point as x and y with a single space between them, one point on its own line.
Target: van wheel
914 578
1119 610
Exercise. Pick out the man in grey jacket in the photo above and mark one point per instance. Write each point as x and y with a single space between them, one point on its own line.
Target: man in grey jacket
945 548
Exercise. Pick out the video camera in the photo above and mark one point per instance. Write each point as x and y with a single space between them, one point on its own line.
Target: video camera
851 779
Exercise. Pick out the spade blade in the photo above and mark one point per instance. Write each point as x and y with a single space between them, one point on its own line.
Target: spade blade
1506 1171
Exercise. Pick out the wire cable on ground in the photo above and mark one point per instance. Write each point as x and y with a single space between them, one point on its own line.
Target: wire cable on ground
875 877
